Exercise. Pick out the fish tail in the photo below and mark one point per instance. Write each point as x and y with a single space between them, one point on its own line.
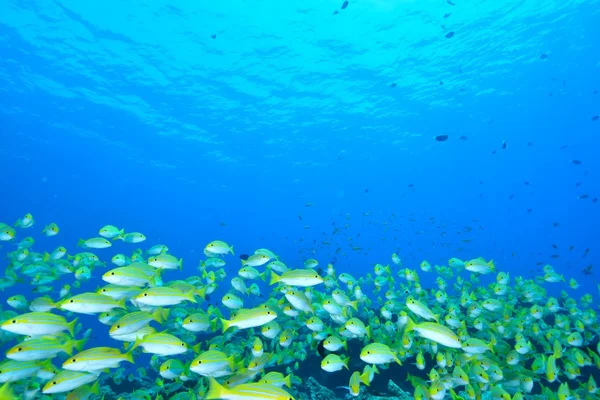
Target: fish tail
80 243
274 278
95 388
79 344
191 295
196 347
215 390
201 292
71 326
231 250
287 381
224 324
181 263
364 378
129 356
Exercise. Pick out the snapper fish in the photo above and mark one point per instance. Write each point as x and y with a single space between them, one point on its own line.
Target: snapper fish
247 391
480 266
218 247
110 232
131 237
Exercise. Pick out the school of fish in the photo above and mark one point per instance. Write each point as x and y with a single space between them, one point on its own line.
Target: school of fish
509 338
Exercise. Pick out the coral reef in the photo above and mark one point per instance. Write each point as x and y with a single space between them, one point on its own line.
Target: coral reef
313 390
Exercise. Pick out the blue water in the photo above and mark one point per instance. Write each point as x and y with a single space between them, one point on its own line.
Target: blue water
132 114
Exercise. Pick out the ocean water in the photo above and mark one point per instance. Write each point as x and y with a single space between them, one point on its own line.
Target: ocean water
308 129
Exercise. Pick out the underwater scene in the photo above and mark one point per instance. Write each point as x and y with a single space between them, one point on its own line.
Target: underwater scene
312 200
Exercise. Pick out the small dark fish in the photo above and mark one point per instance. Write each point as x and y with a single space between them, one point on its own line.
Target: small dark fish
530 210
503 144
393 85
576 162
583 196
463 137
539 263
441 83
554 256
244 257
344 4
493 151
555 246
585 253
441 138
214 36
512 196
300 217
587 270
336 12
526 183
321 349
366 190
577 184
544 56
571 248
529 144
451 3
449 34
555 224
595 117
447 15
595 200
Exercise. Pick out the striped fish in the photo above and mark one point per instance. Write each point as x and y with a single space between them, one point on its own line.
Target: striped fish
38 324
246 391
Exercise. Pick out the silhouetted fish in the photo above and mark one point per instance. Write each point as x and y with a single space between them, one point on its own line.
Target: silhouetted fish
441 138
544 56
595 117
321 349
344 4
449 34
576 162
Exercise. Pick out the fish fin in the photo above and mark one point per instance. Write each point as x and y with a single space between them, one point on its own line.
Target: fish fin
71 326
287 381
225 324
129 356
215 390
274 278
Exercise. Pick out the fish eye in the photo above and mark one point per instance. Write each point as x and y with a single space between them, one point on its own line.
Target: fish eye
54 383
145 294
112 273
368 352
118 326
19 349
14 321
71 301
